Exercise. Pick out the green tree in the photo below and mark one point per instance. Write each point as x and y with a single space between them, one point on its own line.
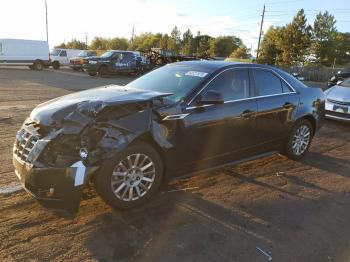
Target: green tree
202 45
341 48
269 50
241 52
223 46
295 40
117 43
99 43
187 43
324 33
73 44
163 43
145 41
174 43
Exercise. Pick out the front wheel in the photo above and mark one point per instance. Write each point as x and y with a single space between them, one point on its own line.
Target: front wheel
299 140
132 178
56 65
103 71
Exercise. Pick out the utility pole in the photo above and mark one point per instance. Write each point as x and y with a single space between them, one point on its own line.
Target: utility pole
86 40
132 34
47 24
260 33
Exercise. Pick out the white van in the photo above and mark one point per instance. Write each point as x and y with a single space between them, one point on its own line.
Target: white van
61 56
19 52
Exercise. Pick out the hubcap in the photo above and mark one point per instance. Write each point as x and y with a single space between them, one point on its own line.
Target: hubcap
301 140
133 177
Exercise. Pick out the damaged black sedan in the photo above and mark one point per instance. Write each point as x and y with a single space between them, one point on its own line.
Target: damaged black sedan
181 118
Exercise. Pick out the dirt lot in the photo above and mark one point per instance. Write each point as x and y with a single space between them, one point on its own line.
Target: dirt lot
293 211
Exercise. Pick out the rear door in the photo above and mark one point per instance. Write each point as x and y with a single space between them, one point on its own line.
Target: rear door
277 103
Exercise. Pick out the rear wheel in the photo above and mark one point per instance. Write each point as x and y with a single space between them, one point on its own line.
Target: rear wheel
38 65
299 139
56 65
92 73
131 178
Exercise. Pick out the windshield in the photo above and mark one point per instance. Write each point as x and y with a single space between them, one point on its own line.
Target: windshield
107 54
55 52
176 79
346 82
86 53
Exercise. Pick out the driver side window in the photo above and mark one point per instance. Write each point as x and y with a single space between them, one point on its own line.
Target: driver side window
232 84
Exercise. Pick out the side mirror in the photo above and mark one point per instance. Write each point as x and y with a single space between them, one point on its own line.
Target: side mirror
211 97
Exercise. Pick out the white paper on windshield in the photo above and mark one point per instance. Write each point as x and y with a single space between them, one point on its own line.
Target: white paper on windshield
196 73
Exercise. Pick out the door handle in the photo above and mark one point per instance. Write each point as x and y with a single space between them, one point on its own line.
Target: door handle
288 105
247 113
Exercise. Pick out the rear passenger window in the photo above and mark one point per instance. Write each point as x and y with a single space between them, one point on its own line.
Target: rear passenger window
268 84
232 84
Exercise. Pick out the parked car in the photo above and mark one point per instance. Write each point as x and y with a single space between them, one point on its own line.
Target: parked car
62 56
338 77
19 52
115 61
338 101
76 63
178 119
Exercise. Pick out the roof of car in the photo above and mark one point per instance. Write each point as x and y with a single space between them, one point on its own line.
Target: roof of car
214 65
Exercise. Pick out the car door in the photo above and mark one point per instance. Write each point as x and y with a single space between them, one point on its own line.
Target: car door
277 103
218 133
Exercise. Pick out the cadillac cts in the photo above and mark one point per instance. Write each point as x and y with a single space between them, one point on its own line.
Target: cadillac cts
181 118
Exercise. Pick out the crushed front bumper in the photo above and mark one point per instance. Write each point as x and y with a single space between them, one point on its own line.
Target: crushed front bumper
54 188
338 111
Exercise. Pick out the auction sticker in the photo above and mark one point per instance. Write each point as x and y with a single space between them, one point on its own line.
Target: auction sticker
196 73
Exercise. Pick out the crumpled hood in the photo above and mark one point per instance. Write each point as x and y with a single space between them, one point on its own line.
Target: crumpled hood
339 93
96 99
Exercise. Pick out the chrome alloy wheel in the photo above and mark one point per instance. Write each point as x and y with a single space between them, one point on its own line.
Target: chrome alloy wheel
301 140
133 177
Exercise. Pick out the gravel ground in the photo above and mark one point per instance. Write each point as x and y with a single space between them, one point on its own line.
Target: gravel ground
272 207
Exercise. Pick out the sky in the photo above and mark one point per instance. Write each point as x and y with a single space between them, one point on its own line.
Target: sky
25 19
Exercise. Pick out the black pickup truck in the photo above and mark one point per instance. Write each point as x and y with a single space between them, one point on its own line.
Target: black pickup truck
339 76
115 61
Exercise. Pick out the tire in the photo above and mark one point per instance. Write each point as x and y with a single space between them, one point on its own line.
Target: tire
115 179
31 67
92 73
38 65
299 140
103 71
76 68
56 65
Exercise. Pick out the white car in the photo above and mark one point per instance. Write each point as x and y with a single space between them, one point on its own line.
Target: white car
338 101
20 52
62 56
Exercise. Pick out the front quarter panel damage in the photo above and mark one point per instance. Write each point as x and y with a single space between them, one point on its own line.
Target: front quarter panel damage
103 134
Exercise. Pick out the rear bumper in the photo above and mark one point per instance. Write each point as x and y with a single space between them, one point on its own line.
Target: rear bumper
54 188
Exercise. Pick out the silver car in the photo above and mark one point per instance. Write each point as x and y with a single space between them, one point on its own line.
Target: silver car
338 101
